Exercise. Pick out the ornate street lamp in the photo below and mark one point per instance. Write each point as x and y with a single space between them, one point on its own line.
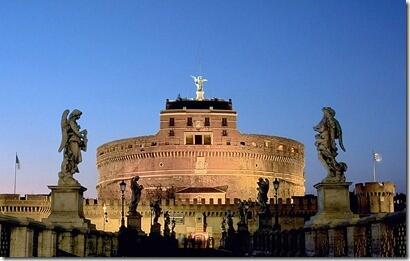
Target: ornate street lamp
276 226
122 187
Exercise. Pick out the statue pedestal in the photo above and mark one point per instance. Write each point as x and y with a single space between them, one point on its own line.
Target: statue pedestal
333 203
265 220
242 227
155 229
134 222
67 207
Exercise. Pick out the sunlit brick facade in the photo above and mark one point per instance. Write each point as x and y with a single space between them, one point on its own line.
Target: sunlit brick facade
198 145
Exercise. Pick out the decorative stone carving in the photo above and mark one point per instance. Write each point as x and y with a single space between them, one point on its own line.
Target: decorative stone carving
329 131
73 141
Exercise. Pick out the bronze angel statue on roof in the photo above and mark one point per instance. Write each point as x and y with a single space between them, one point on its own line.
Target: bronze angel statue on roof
328 131
73 141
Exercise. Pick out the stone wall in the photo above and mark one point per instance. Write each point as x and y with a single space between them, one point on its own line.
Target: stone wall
187 213
236 166
375 197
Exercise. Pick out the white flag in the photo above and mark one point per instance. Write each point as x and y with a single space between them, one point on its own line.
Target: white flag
377 157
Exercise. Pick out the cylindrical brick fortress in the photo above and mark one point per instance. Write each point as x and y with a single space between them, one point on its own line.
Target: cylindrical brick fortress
198 146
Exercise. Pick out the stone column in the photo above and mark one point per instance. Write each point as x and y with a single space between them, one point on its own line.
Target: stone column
310 243
350 241
91 249
79 246
378 235
332 244
100 245
21 242
66 243
47 246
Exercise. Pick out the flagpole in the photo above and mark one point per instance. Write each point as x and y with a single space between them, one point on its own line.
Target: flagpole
15 168
374 167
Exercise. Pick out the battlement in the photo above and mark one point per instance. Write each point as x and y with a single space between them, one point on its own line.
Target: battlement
299 203
375 188
375 197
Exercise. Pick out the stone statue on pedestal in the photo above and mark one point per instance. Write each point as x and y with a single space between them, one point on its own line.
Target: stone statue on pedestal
243 207
156 209
167 221
173 223
73 141
67 196
263 188
155 226
135 196
229 221
329 131
199 82
223 224
333 196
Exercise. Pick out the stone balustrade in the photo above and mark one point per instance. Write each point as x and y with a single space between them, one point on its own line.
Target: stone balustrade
25 237
378 235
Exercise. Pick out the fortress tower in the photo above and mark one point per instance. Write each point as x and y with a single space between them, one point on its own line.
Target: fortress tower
199 151
375 197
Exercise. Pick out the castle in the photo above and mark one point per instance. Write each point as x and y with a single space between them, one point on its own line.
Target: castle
199 165
199 153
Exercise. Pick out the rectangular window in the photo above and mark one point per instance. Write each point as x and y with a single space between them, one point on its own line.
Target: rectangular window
207 140
224 133
189 140
189 122
198 139
171 122
207 122
171 133
224 122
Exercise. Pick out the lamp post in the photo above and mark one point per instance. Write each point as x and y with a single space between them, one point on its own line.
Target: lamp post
105 216
122 187
276 226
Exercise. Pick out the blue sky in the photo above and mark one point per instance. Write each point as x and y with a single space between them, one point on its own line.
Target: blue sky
279 61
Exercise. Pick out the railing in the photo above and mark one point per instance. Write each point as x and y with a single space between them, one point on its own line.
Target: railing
284 243
379 235
25 237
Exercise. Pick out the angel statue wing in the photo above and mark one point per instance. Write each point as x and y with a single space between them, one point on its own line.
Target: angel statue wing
339 134
64 129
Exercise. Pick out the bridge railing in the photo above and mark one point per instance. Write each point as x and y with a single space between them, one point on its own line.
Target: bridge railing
379 235
25 237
